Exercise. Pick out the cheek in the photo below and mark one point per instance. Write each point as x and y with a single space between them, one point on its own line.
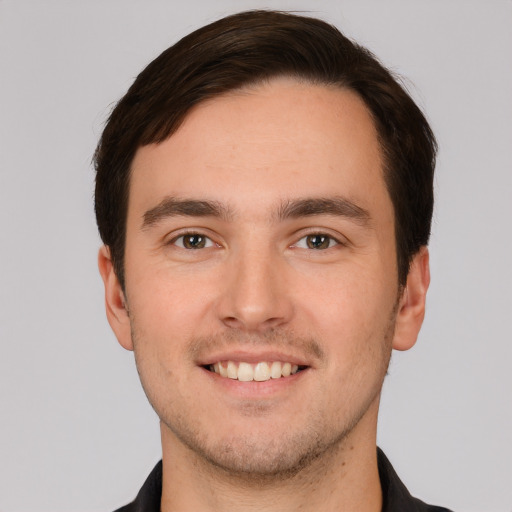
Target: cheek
351 295
168 302
166 313
163 316
351 314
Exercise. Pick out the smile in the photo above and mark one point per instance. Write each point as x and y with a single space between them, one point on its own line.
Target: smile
259 372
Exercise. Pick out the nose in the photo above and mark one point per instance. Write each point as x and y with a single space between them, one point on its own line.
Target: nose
255 296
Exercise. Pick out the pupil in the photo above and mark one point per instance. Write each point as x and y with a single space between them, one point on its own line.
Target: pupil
194 241
318 242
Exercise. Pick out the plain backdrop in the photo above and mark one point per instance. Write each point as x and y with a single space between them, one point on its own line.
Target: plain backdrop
76 432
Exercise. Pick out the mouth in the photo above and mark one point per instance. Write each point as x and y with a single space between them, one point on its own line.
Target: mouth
259 371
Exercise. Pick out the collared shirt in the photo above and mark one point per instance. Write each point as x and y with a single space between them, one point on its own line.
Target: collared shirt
395 496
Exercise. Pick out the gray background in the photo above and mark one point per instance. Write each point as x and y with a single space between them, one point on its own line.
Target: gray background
76 433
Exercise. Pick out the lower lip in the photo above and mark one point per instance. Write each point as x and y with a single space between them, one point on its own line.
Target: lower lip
255 389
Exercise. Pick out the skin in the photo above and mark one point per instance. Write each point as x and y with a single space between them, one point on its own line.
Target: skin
256 291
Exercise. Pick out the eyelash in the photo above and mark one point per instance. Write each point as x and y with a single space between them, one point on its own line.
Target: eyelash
208 241
321 235
331 241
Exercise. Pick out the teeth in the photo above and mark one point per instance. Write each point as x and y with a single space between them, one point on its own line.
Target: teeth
245 372
232 370
260 372
287 370
222 370
275 370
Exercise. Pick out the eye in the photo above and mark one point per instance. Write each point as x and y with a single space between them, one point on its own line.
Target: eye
318 241
193 241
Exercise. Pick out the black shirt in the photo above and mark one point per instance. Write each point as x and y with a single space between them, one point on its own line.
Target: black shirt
395 496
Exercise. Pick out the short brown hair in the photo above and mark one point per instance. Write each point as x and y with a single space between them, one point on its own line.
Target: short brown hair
251 47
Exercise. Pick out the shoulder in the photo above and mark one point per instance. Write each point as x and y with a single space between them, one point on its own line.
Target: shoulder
396 497
149 497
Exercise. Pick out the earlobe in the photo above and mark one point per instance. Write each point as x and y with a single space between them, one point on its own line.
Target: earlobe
115 301
411 310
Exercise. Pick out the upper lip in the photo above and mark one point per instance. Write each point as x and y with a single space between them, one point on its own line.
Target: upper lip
253 357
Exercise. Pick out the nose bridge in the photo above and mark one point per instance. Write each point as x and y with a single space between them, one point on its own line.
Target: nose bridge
255 296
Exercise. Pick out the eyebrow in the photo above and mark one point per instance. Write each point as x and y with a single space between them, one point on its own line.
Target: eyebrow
337 206
291 209
173 207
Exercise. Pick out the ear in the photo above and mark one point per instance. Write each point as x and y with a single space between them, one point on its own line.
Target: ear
115 302
411 310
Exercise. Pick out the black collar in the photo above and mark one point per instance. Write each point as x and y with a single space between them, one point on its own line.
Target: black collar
395 496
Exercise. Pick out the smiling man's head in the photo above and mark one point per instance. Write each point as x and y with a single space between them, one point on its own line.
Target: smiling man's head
264 193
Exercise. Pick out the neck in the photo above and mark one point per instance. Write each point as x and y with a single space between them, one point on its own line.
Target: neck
344 478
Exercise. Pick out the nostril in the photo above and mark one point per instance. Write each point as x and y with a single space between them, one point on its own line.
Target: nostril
231 321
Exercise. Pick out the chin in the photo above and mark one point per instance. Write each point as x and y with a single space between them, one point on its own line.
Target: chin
260 456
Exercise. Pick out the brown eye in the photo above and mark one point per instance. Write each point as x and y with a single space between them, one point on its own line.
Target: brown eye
318 241
193 241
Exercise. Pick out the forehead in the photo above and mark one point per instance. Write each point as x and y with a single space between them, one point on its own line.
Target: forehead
282 138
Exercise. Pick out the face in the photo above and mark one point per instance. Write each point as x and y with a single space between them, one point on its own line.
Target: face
261 293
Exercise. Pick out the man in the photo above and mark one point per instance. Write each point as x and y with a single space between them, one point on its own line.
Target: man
264 194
